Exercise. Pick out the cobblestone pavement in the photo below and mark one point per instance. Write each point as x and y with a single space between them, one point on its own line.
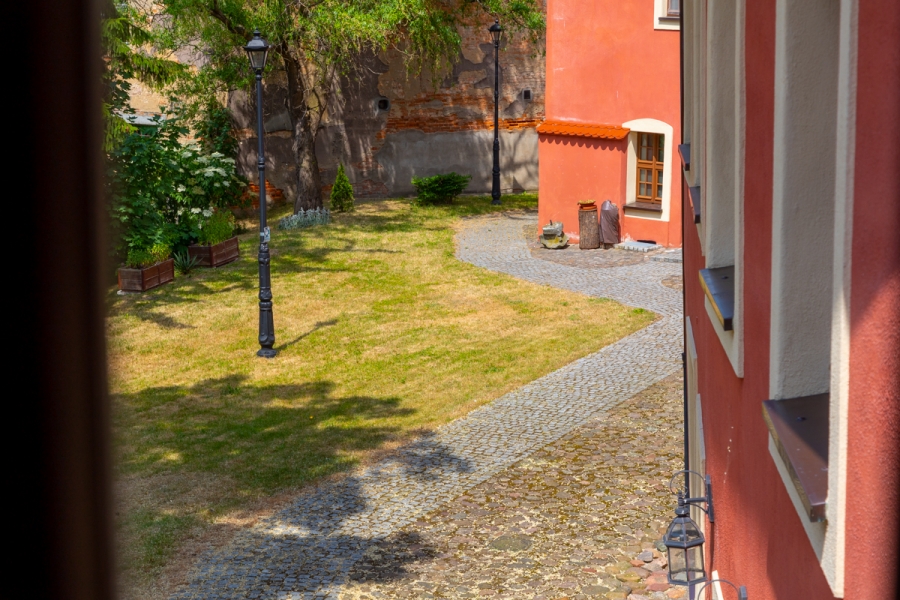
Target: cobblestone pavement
564 522
319 546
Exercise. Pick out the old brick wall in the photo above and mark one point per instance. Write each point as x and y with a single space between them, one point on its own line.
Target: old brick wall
432 125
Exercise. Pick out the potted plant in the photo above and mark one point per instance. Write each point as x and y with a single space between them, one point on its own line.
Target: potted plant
146 269
217 245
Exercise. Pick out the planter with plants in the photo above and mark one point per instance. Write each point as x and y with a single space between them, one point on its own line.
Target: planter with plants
217 245
146 269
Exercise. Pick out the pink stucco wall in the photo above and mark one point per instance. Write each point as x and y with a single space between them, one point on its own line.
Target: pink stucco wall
606 64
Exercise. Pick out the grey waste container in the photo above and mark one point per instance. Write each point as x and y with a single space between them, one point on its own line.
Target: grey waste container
609 224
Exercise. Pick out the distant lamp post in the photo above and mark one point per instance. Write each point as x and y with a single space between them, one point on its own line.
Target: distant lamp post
741 591
496 31
257 50
684 540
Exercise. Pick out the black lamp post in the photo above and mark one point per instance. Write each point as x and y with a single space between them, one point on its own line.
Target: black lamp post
496 32
257 49
684 540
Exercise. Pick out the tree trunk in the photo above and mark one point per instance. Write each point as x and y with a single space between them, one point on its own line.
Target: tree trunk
303 138
309 181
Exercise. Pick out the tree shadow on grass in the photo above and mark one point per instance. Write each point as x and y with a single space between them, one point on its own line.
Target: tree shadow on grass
267 438
349 531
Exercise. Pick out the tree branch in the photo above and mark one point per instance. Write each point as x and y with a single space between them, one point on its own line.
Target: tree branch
227 21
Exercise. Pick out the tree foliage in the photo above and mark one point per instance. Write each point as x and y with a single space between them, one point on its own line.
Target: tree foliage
128 52
313 41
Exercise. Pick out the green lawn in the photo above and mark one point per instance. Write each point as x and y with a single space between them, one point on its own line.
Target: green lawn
382 335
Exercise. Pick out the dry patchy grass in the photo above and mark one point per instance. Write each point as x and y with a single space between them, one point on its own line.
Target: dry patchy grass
382 335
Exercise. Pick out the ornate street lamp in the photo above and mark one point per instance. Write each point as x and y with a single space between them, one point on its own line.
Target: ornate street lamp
741 591
684 540
496 31
257 50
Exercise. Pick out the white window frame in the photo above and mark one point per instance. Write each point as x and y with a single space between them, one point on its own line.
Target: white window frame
637 127
796 22
661 18
720 170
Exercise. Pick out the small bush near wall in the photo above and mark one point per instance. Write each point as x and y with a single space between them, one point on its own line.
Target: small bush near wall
305 218
342 192
440 188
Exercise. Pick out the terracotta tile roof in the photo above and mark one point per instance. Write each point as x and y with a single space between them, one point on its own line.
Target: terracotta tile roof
592 130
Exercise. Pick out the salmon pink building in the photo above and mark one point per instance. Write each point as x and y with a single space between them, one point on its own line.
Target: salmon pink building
791 164
612 115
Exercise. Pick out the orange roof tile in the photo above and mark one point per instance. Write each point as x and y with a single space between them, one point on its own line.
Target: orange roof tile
592 130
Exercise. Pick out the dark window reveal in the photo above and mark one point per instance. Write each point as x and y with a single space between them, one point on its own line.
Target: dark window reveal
526 94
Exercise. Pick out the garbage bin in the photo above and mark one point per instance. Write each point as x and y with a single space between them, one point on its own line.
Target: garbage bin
609 224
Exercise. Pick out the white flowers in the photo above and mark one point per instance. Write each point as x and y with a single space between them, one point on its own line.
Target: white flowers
195 211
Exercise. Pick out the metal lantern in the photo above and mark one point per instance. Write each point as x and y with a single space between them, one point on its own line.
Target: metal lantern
684 545
257 49
496 31
684 540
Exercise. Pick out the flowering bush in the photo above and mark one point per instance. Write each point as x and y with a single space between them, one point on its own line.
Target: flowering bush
164 191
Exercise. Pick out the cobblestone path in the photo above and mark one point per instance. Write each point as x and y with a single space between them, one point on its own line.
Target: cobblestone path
330 541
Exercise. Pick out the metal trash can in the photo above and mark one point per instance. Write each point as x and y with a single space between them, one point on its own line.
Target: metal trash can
609 224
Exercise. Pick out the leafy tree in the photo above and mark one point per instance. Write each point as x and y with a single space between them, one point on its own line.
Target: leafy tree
316 40
341 192
128 54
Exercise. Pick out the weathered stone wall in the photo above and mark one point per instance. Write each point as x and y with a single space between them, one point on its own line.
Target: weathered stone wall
432 125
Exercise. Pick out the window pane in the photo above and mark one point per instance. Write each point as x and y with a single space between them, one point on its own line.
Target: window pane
645 175
645 139
661 153
646 153
659 192
674 7
644 191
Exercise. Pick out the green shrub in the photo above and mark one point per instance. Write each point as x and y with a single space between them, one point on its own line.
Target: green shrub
142 257
440 188
218 228
341 192
184 262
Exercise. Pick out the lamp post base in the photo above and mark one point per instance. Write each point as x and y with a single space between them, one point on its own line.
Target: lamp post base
267 353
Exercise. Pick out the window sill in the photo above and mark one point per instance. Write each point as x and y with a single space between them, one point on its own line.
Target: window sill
718 285
644 206
694 194
684 151
799 428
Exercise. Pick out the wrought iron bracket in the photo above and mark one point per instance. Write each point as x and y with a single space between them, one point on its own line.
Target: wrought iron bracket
707 499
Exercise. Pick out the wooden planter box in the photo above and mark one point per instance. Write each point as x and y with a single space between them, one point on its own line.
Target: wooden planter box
217 255
146 278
